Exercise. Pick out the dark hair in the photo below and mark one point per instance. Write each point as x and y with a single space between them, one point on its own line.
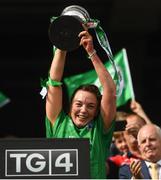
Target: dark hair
90 88
141 120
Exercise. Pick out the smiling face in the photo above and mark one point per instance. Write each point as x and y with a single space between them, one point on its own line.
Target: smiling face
120 142
149 140
83 108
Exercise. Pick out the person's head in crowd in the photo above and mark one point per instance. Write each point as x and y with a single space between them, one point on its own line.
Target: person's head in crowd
120 142
133 123
149 142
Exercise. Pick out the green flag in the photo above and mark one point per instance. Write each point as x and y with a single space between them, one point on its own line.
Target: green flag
3 100
90 77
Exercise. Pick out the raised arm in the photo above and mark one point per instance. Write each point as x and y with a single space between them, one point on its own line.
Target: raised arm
108 102
54 95
137 108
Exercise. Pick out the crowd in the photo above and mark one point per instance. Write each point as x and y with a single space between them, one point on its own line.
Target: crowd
135 147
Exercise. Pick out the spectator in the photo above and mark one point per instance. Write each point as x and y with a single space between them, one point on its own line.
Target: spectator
115 161
120 142
134 121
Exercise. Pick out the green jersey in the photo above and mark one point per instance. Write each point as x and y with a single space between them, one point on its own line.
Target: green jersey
99 141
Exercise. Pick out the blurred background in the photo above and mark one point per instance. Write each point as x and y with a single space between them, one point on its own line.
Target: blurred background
26 54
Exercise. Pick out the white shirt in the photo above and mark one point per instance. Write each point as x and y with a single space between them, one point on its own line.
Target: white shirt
159 167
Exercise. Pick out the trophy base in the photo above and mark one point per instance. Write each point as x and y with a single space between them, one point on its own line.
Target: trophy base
63 32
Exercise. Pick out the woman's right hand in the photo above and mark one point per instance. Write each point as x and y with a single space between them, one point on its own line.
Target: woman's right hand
86 41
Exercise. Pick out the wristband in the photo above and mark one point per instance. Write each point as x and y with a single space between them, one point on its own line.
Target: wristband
93 53
53 83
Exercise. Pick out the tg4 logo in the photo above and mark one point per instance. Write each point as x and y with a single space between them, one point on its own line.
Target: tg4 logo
43 162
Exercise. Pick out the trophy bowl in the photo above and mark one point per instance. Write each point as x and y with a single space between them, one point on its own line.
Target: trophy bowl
64 30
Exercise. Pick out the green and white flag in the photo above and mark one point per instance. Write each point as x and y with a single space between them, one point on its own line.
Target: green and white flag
90 77
3 100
